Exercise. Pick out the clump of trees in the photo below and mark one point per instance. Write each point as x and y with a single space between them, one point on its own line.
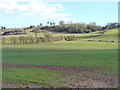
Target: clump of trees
76 28
112 25
61 22
71 28
2 27
70 38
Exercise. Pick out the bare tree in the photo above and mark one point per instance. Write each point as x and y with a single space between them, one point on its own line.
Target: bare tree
48 23
36 30
61 22
22 39
41 24
48 36
24 30
53 23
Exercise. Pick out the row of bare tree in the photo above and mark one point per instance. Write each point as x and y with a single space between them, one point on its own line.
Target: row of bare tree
34 40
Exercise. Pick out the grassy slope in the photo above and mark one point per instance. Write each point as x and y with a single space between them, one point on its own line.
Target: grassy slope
110 35
53 33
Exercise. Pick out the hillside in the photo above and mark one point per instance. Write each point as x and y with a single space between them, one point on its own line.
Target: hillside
98 35
66 28
109 35
43 29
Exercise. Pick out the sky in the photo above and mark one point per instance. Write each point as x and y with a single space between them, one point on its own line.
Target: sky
23 13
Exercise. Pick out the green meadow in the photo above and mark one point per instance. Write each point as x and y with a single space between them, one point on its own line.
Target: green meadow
81 53
110 35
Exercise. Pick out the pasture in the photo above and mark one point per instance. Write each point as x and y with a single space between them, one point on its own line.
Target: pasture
62 64
110 35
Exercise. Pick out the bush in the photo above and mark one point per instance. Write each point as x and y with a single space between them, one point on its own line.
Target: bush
90 40
100 40
69 38
112 41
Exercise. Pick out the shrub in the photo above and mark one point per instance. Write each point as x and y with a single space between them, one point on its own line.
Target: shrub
69 38
112 41
90 40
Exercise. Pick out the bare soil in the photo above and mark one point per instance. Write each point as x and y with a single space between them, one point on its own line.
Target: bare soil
73 77
90 80
14 85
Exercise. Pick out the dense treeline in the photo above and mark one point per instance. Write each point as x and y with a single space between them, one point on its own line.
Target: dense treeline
79 28
75 28
32 40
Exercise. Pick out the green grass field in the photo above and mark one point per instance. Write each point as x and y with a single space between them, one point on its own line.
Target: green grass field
94 58
86 54
31 75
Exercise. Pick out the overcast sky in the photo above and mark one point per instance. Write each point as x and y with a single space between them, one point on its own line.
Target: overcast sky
22 13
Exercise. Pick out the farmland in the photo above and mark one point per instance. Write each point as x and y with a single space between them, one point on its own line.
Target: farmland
53 45
63 64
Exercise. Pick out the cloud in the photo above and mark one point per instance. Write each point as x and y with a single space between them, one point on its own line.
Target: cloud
32 8
60 5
